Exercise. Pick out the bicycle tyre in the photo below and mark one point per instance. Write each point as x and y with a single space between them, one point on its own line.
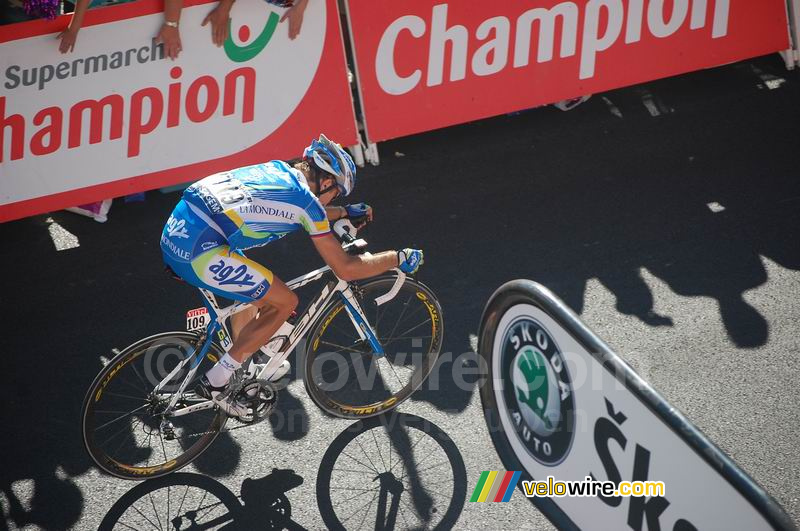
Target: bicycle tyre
334 320
112 373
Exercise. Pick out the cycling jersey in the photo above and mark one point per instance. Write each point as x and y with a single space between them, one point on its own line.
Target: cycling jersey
235 210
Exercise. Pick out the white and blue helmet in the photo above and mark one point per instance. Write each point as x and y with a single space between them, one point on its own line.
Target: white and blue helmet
332 158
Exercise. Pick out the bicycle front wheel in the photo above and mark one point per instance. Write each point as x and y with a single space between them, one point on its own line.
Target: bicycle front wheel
346 378
126 428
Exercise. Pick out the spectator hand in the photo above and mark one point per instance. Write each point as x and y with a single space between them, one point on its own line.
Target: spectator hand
68 38
295 16
171 38
219 18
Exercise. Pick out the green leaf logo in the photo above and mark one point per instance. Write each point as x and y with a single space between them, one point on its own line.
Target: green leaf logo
240 54
536 385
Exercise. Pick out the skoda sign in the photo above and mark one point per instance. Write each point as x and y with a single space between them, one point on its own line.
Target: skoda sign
560 403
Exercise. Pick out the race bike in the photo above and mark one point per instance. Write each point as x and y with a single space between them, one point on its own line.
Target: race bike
365 347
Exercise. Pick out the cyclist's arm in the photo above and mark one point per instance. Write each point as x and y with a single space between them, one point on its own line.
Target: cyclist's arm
350 267
334 213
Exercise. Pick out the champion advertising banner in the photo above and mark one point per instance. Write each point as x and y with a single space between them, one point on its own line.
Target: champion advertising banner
116 117
425 64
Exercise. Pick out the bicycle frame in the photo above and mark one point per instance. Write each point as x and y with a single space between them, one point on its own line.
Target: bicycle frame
217 328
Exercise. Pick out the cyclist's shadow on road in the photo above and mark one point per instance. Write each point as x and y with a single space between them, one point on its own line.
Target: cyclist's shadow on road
194 501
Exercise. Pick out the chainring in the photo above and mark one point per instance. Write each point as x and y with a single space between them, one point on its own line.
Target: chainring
260 397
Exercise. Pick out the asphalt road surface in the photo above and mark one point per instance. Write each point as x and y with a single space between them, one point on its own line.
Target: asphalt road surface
666 215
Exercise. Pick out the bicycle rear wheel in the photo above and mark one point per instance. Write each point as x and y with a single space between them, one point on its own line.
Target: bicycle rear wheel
343 375
122 419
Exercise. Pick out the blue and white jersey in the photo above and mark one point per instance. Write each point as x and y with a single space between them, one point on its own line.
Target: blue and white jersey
255 205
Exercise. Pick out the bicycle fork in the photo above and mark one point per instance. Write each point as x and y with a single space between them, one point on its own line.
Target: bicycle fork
359 320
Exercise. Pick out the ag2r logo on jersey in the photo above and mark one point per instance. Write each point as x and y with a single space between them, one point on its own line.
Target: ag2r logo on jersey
538 391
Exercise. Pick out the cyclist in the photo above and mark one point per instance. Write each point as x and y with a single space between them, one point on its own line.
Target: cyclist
223 214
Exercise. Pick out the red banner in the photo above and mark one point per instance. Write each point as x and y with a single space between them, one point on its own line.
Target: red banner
426 64
116 117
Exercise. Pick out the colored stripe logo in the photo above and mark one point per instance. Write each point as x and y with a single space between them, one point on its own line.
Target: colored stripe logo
495 486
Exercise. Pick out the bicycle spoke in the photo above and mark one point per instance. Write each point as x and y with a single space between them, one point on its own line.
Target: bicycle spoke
437 465
429 483
351 471
360 462
405 307
130 385
411 450
419 308
129 527
155 511
393 339
205 493
367 491
164 450
352 488
403 515
168 487
348 333
363 506
144 388
145 517
414 512
121 417
131 434
378 317
340 347
392 389
366 511
375 468
183 500
424 457
139 398
349 364
411 330
208 509
377 446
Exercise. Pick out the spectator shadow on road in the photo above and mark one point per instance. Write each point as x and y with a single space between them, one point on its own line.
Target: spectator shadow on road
194 501
73 307
696 198
394 471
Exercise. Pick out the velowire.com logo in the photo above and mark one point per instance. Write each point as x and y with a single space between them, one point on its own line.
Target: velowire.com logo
494 486
537 391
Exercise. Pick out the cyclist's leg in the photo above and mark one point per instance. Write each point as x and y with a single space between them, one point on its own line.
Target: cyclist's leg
274 308
235 276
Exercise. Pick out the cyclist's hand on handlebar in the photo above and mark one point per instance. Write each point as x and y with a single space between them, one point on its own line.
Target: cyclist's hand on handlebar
409 260
359 210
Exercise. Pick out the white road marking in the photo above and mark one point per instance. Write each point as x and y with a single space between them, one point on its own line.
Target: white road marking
612 108
62 238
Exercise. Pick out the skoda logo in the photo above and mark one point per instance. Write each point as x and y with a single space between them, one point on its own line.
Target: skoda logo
538 391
